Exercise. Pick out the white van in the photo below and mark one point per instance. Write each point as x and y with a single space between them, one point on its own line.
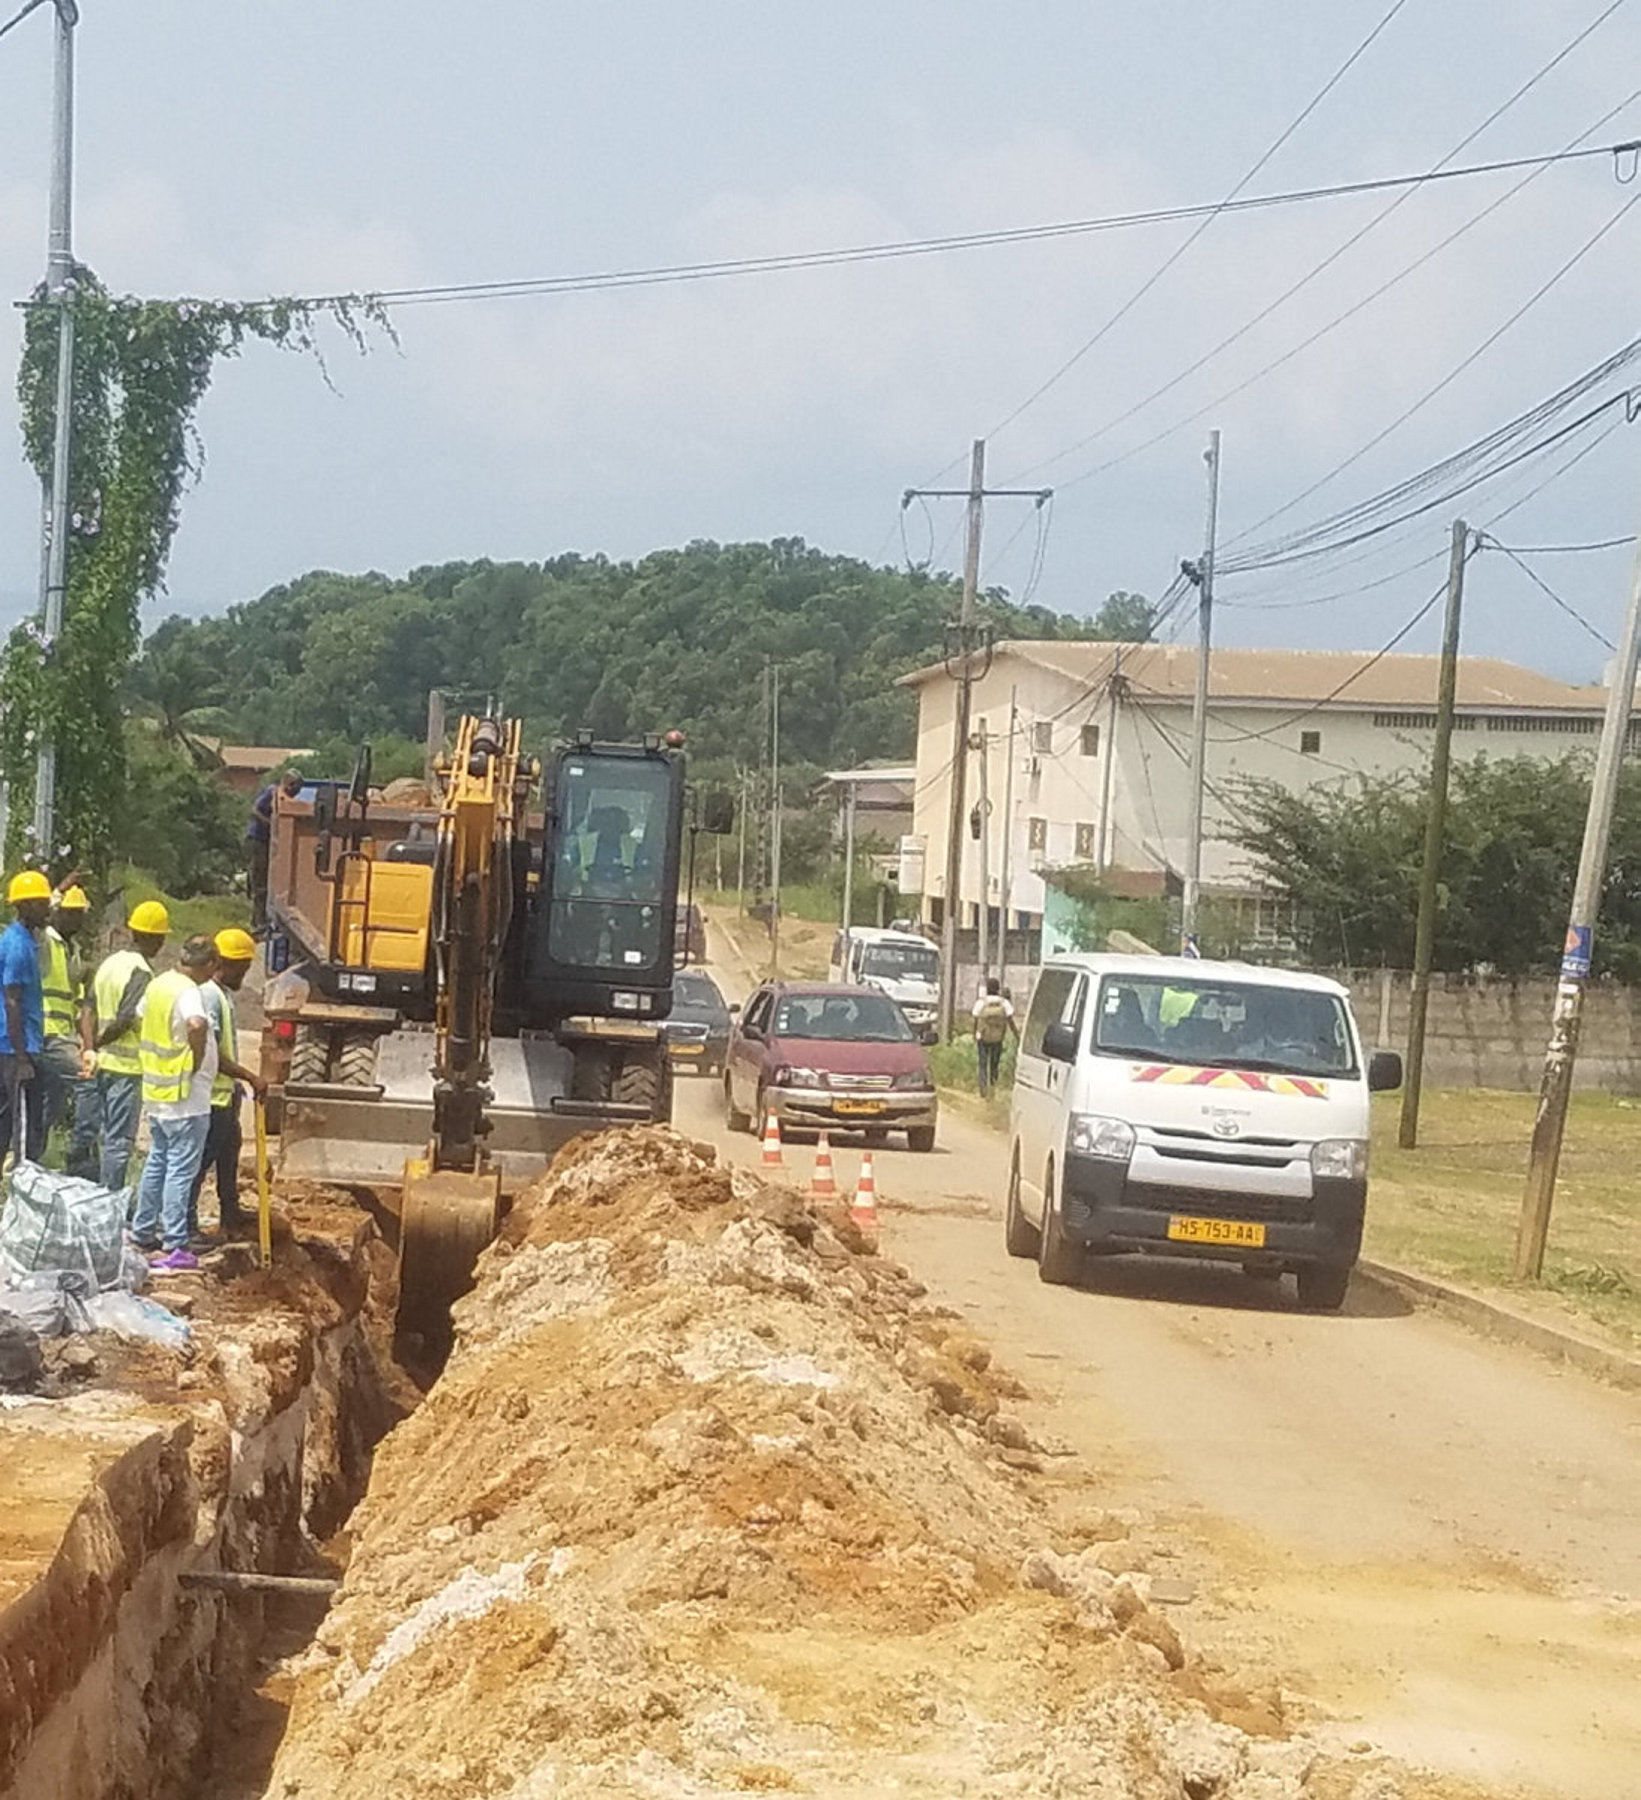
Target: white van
905 966
1166 1104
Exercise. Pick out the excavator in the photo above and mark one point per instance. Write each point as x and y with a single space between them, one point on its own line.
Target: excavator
461 984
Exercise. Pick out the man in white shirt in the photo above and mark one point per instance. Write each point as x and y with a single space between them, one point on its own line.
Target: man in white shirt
179 1063
993 1021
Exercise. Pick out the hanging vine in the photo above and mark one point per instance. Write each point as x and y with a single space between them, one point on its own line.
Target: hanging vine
141 368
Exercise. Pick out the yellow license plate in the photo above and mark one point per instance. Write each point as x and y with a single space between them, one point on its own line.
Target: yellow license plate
858 1108
688 1049
1241 1232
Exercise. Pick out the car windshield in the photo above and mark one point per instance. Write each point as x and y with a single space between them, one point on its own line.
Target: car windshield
901 962
1213 1024
696 993
842 1019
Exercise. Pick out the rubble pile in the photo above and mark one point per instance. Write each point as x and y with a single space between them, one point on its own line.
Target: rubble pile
710 1501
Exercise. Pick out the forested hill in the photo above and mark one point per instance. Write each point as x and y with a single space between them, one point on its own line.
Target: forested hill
677 639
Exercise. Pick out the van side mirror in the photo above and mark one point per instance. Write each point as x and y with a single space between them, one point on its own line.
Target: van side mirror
1384 1072
1060 1043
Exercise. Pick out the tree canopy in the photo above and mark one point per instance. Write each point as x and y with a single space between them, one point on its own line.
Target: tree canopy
679 639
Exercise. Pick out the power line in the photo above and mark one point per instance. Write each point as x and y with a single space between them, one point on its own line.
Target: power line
1560 549
19 16
1184 249
1549 592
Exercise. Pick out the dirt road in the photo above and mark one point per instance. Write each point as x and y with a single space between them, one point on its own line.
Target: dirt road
1435 1538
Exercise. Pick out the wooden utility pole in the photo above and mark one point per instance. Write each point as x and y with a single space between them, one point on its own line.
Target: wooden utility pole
1435 841
1113 693
775 819
1557 1085
1203 575
961 663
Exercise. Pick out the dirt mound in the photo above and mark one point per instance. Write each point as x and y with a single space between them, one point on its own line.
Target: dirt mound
708 1501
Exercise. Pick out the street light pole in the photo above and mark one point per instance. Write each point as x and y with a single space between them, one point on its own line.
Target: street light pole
55 507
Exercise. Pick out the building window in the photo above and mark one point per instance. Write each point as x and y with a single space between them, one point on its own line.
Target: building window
1587 727
1310 743
1419 721
1036 834
1091 740
1042 737
1085 843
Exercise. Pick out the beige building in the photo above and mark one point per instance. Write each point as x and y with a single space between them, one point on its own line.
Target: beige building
1088 745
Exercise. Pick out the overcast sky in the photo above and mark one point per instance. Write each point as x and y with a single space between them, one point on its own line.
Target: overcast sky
239 150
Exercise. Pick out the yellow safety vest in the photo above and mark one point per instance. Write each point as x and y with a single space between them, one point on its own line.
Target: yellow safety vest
108 987
167 1060
222 1086
60 978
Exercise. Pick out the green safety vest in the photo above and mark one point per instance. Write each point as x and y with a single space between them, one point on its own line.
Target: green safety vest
167 1060
60 979
222 1086
108 987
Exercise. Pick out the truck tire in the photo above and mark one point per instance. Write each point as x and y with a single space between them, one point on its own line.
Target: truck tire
1323 1286
1019 1234
1059 1259
590 1073
310 1058
734 1118
356 1058
639 1082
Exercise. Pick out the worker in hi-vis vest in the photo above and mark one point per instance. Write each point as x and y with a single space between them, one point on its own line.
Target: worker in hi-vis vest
62 971
179 1063
236 951
109 1035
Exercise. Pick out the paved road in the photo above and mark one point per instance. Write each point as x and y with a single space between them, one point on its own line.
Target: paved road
1439 1537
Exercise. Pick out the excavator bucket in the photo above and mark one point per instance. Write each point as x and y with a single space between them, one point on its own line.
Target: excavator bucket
446 1217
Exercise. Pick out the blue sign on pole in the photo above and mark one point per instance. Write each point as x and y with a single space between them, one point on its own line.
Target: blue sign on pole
1575 958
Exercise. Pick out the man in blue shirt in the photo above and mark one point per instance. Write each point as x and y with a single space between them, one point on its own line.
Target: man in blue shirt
23 1017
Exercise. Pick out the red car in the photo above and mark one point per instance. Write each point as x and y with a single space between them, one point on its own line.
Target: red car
825 1057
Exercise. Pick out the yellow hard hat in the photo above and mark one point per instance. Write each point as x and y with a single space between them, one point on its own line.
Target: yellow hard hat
150 918
29 884
234 945
73 900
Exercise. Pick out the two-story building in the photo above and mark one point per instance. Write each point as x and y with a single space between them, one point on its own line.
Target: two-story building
1084 751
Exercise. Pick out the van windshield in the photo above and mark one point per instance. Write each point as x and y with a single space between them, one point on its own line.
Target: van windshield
1213 1024
901 962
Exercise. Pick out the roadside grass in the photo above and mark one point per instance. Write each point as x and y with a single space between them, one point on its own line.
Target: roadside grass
955 1075
806 943
1450 1207
201 915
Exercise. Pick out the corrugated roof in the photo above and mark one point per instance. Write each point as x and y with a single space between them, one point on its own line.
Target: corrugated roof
1345 678
252 756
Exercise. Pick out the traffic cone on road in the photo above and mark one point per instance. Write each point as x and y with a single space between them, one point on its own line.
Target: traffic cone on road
863 1210
824 1186
773 1158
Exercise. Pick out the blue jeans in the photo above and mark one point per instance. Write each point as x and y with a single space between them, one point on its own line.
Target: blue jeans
989 1064
57 1069
114 1112
174 1152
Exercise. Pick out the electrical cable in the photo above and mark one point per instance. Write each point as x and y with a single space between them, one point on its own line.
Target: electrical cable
1350 243
21 14
1561 549
1549 592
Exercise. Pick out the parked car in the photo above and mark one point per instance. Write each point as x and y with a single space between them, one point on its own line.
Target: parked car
1192 1108
696 1032
826 1057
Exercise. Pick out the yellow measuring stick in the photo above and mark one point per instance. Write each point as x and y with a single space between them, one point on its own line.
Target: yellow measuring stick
264 1187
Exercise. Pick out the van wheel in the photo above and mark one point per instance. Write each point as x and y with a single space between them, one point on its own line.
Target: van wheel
1019 1234
1322 1287
1059 1260
734 1118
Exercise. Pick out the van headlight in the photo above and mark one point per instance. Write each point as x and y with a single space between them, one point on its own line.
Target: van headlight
1111 1140
1340 1159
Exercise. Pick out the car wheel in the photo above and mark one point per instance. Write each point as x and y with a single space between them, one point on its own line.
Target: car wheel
734 1118
1323 1286
1019 1234
1059 1259
920 1138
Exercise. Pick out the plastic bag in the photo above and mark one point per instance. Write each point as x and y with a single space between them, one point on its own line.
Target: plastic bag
130 1316
54 1221
52 1304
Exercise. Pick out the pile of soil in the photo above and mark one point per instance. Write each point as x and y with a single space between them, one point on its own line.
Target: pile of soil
710 1501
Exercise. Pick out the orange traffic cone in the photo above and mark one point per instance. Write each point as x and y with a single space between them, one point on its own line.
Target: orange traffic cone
824 1186
864 1208
772 1143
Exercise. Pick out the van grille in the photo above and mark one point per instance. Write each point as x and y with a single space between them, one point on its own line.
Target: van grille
1270 1209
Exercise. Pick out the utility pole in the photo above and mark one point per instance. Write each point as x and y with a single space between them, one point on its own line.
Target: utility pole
55 506
775 819
982 745
1435 837
1113 691
740 869
1557 1084
1006 881
849 804
968 641
1203 576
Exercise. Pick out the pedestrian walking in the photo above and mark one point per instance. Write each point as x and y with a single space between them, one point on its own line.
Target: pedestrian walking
62 975
259 842
993 1022
22 1018
236 951
179 1063
110 1032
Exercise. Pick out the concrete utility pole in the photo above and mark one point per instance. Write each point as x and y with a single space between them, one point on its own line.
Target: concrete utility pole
55 507
1557 1084
1204 578
1113 692
968 641
775 819
1006 880
1435 839
982 746
851 801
